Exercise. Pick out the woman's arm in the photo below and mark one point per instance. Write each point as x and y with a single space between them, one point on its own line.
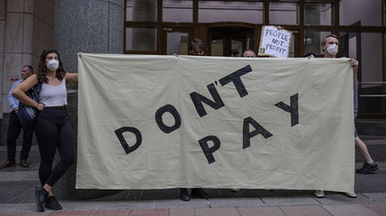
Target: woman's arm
19 91
71 77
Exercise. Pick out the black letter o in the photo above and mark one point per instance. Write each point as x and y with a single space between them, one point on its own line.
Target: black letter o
172 110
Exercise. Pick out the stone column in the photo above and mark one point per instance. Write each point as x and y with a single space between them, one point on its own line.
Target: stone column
2 30
87 26
26 28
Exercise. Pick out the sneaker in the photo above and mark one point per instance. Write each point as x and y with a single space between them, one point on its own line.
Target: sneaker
52 203
367 168
40 197
351 195
319 194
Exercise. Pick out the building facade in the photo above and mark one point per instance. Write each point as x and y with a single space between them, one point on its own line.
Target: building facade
164 27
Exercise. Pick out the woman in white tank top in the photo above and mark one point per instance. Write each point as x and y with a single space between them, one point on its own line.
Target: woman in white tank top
52 128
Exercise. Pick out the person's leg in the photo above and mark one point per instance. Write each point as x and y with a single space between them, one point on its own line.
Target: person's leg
66 147
14 129
184 195
27 143
46 132
200 193
362 148
369 166
47 136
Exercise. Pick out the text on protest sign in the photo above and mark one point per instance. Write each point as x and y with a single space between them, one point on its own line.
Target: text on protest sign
275 42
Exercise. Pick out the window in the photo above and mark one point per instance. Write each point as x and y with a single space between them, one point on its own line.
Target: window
318 14
283 13
141 39
365 47
177 11
141 11
367 13
177 42
313 40
230 11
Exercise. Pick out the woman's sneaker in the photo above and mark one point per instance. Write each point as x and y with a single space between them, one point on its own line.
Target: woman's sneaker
52 203
367 168
40 197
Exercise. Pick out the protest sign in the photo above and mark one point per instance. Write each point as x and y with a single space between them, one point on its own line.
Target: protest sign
274 42
154 122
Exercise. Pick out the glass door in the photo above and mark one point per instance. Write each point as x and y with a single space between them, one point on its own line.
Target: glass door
176 40
225 38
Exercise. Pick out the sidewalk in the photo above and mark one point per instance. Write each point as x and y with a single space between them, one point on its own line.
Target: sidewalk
333 204
17 196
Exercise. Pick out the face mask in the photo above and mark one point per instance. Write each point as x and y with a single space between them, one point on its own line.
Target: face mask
53 65
332 49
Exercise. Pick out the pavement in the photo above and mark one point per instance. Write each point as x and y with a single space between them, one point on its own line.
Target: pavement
17 196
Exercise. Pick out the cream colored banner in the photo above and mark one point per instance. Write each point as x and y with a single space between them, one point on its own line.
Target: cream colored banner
153 122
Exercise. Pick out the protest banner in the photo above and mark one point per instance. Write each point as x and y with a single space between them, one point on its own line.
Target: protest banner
275 42
157 122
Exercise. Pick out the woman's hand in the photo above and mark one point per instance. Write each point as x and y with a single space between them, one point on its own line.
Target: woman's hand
279 27
40 106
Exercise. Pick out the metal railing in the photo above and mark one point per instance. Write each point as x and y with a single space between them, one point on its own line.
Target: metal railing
372 95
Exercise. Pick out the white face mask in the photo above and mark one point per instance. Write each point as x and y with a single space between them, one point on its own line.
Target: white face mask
53 65
332 49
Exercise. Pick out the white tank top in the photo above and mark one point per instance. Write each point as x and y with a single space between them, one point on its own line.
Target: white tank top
53 95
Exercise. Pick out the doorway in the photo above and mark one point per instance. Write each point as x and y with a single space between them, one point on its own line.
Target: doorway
223 39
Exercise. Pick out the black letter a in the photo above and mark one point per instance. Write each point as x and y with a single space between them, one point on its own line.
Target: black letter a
248 135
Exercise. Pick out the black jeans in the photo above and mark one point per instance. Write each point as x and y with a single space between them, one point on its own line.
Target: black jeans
53 131
14 129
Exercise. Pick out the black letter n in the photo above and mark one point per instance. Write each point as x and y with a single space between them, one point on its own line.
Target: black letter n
198 99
